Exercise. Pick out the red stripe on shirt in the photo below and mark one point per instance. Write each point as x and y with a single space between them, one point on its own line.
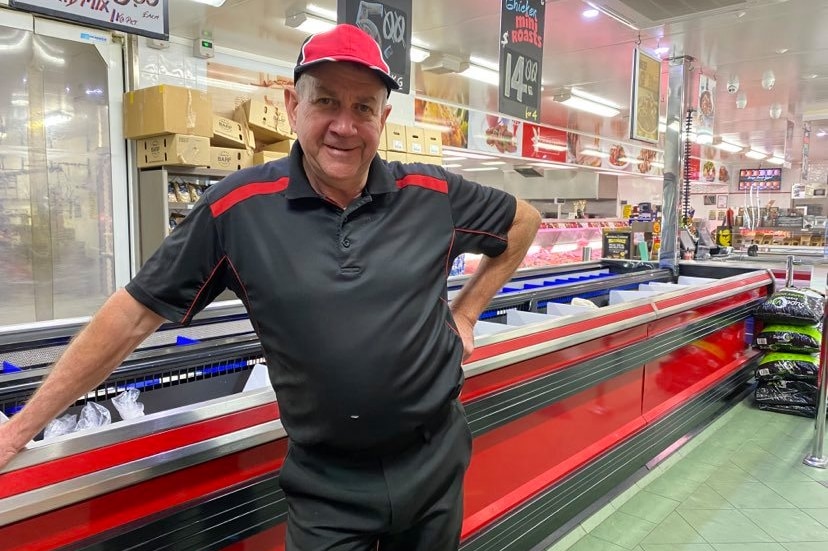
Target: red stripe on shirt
245 192
421 180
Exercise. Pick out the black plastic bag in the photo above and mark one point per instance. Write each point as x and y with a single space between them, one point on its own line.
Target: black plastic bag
795 393
790 338
788 366
793 306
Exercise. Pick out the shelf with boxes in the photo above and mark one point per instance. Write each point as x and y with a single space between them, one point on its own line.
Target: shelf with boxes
411 144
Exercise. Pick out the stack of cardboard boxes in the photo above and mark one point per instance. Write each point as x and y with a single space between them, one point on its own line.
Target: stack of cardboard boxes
411 144
176 126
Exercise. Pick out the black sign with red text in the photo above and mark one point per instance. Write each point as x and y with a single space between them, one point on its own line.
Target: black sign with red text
142 17
521 58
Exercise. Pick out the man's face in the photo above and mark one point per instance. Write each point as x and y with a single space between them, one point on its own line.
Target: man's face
338 111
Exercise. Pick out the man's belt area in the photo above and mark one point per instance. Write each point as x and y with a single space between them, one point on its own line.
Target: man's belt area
416 436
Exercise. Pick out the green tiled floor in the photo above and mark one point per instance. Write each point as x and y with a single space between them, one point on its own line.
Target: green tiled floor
739 486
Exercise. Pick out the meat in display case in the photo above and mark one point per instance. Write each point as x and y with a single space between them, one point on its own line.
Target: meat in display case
557 242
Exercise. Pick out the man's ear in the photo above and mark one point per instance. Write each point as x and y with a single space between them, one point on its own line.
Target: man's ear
385 112
291 102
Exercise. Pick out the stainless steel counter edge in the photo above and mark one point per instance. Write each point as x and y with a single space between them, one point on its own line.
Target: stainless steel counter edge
36 502
71 444
495 362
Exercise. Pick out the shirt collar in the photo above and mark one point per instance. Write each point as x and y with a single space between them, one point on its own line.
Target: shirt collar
380 179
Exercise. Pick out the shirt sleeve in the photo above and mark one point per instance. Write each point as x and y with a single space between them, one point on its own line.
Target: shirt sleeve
187 271
482 216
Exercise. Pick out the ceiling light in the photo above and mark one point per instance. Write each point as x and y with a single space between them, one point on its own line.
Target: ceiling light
455 158
781 51
214 3
595 153
741 100
590 13
322 12
704 138
768 80
419 54
776 160
775 111
455 165
662 50
480 169
820 134
753 154
493 163
308 22
810 76
483 62
618 17
729 147
578 99
482 74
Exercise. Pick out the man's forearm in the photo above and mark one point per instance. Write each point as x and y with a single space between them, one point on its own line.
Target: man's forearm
120 325
493 273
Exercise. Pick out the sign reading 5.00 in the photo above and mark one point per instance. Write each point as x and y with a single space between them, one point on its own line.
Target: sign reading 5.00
521 57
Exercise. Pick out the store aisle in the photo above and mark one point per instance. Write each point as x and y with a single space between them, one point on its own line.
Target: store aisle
738 486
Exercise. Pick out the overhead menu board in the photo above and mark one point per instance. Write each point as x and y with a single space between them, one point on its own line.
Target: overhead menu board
389 24
141 17
646 87
521 58
763 179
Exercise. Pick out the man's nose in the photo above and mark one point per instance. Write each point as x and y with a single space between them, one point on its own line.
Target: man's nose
344 123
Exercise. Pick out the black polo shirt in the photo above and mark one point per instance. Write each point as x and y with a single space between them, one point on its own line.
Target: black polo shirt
350 305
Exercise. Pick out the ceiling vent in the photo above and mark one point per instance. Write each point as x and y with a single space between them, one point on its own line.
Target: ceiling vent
443 64
529 171
645 14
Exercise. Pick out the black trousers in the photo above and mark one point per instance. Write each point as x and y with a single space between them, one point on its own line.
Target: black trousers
409 500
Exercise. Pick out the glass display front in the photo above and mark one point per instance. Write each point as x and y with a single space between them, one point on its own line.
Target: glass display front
56 222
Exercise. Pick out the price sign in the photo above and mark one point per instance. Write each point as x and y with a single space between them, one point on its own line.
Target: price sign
521 58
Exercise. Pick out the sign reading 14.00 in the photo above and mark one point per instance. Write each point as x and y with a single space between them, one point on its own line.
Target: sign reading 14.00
521 56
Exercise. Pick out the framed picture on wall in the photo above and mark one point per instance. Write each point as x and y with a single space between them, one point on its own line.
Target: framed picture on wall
721 201
709 200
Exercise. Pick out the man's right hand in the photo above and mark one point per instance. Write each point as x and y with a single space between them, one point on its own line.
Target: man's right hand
7 449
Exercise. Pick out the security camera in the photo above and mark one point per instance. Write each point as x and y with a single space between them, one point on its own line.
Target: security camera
733 85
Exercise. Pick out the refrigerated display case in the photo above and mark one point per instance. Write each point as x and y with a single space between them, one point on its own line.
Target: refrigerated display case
564 402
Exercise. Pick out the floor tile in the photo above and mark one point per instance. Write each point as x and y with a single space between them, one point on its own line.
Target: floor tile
598 517
591 543
748 547
788 525
711 453
677 547
673 530
623 529
693 470
805 546
729 474
705 497
753 495
649 506
673 486
821 515
805 495
570 539
724 526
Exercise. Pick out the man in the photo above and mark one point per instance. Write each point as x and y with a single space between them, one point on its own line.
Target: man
341 260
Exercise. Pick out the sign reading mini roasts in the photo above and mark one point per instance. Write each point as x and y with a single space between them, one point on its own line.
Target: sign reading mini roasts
521 58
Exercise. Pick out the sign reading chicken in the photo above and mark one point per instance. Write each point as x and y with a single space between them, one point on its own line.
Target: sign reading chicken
521 58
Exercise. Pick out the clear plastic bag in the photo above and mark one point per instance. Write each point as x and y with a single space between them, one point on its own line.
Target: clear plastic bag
128 405
60 426
92 416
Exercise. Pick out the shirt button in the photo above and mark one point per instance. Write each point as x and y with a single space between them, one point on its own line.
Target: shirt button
346 243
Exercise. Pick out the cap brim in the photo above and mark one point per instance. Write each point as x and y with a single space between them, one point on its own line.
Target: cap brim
389 82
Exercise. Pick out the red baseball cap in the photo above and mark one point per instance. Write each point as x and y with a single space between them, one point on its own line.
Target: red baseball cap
344 43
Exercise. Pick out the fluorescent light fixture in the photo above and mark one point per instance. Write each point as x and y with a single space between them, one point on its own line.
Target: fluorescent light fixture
493 163
308 22
578 99
595 153
483 74
480 169
419 54
455 152
590 13
753 154
57 117
452 165
214 3
662 50
776 160
229 85
729 147
704 138
550 147
821 133
453 158
618 17
322 12
483 62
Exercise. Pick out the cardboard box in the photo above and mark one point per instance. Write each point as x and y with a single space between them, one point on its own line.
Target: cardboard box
382 154
225 158
395 156
415 140
167 109
395 137
382 146
263 157
413 158
269 123
279 147
174 149
433 143
228 133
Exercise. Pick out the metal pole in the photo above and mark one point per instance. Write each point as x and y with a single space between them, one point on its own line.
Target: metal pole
789 269
817 457
586 254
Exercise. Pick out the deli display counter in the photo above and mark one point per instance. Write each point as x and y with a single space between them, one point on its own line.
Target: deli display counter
566 400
